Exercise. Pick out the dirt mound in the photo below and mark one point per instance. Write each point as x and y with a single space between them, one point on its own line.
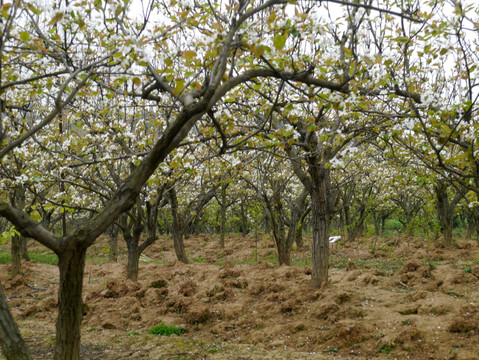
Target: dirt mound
390 303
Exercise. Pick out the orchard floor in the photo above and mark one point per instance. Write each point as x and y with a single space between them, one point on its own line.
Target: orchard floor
406 300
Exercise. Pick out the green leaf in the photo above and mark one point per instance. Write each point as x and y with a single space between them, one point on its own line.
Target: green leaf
279 41
57 18
258 51
25 36
4 10
189 54
8 235
35 215
136 81
402 39
33 9
312 127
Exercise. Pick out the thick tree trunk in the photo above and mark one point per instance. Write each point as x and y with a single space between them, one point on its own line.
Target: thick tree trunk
72 265
179 245
320 251
132 269
322 200
131 235
284 255
445 210
12 344
447 224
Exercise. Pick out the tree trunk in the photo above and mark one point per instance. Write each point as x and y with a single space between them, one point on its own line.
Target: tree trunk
223 216
298 236
222 228
266 222
12 344
409 224
23 244
244 219
284 255
320 251
383 224
16 251
295 228
178 243
72 265
132 269
277 219
113 232
16 247
445 209
322 200
176 232
471 224
469 230
131 235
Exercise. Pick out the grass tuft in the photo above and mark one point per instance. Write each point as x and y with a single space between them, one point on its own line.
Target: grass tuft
166 330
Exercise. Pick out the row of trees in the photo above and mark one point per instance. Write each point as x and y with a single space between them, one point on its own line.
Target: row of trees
114 111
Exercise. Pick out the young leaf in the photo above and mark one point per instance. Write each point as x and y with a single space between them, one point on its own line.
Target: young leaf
279 41
25 36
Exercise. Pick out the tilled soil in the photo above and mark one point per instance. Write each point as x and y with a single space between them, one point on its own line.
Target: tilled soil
404 300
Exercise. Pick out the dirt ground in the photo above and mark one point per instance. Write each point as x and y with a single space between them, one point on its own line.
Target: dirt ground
405 300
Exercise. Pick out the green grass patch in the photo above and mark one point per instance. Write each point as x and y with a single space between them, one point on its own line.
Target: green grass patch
214 349
166 330
97 259
5 258
198 259
44 258
39 257
302 262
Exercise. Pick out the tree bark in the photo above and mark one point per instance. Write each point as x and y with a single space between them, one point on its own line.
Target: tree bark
298 236
12 344
176 231
23 244
320 223
445 209
18 201
223 207
16 251
284 256
72 265
244 219
113 232
133 266
377 223
131 229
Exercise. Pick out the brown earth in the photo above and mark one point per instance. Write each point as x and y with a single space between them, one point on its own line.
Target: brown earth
406 300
